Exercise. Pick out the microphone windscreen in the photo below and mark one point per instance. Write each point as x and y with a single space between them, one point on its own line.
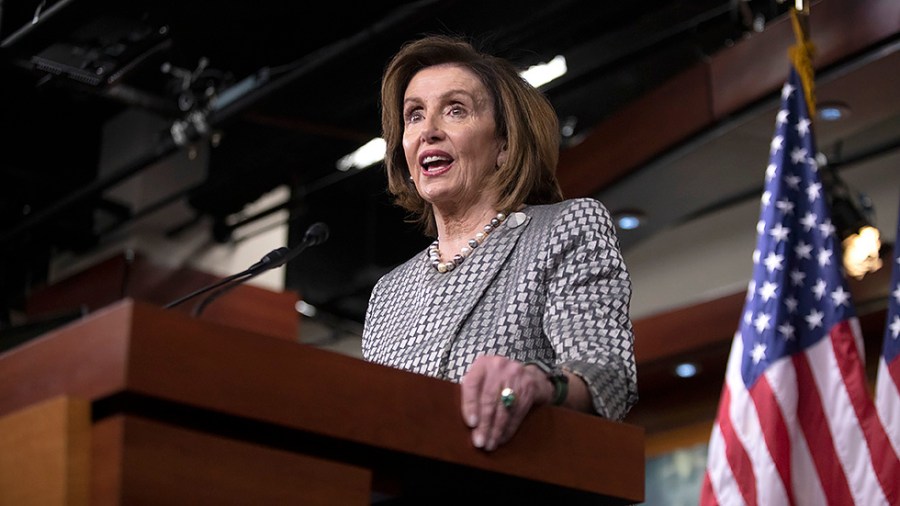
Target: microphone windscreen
317 233
275 256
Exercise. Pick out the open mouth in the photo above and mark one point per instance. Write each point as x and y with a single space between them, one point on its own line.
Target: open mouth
436 163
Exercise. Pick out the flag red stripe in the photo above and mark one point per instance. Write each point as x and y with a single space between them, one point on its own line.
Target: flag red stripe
818 436
707 494
894 369
737 457
884 460
775 431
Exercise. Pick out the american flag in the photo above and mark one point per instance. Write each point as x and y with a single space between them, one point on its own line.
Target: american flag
887 386
796 423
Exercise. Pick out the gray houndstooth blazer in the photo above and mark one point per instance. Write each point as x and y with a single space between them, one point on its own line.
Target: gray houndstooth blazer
553 288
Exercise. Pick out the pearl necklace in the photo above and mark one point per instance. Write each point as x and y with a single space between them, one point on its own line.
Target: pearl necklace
434 252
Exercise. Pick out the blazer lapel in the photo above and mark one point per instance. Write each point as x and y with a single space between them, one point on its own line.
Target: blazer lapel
475 275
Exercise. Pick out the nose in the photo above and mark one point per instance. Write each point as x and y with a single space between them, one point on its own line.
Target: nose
431 131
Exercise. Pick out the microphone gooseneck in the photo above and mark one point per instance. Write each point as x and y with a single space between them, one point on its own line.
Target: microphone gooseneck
316 234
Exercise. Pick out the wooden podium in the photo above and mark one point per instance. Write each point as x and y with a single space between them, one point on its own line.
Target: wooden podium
137 405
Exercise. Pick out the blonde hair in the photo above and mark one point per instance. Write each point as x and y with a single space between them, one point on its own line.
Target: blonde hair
524 117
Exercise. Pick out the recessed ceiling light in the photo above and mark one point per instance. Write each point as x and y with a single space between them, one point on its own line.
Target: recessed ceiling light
370 153
833 111
542 73
629 220
686 370
567 128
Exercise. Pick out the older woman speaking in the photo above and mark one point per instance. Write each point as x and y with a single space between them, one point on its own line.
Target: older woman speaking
523 297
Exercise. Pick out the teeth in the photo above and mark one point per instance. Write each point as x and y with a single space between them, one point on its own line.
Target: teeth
431 159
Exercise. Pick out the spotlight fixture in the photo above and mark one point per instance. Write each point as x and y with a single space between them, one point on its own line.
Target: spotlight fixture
852 217
861 252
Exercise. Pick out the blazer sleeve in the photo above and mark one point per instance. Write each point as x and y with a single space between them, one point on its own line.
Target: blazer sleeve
372 321
586 314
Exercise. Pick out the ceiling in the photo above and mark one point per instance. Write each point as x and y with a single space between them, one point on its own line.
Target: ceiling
280 90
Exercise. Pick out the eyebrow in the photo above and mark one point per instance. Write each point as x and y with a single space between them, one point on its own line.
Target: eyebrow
446 94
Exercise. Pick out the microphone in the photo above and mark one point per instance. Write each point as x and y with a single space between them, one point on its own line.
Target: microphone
316 234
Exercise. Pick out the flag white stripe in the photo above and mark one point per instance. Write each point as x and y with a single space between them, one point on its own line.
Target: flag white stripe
722 480
887 402
721 477
782 379
857 338
745 421
770 488
840 416
804 479
807 486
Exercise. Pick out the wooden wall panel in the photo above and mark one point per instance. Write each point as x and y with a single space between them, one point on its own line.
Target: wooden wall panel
45 454
139 461
134 276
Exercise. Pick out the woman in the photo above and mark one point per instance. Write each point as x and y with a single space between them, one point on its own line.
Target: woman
522 297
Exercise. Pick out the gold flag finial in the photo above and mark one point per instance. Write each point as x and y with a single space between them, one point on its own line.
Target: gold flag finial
801 55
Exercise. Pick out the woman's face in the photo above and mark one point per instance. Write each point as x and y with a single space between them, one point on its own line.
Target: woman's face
450 138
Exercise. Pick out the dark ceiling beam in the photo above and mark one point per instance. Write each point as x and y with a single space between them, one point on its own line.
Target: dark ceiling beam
60 13
42 217
258 90
302 126
710 92
839 29
644 35
636 133
309 64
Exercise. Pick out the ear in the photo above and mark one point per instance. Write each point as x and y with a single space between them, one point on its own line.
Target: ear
502 156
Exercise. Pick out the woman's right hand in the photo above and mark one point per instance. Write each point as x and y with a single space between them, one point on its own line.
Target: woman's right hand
491 422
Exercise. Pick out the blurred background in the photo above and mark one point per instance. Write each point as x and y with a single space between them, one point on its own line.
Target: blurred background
194 137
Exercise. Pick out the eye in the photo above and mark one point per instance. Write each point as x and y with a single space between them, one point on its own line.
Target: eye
456 110
413 115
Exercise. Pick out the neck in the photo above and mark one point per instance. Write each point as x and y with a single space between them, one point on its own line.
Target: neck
463 225
455 229
444 261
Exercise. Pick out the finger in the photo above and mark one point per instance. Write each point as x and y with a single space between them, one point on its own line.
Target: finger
528 385
502 415
491 412
470 391
515 416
